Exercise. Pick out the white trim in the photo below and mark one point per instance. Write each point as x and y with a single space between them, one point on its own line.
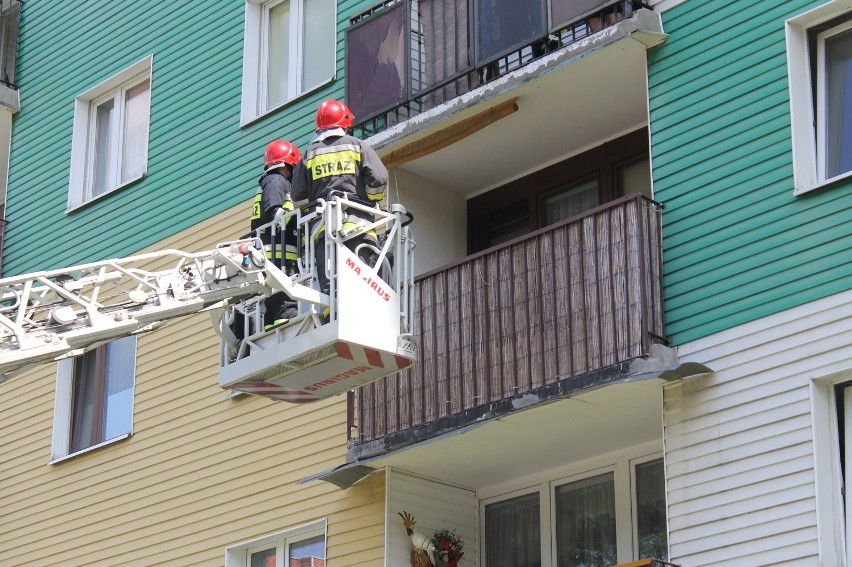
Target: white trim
808 156
663 5
832 540
237 555
254 105
81 162
62 410
544 484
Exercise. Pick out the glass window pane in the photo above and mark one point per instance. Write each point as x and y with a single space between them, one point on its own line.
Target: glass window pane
304 552
137 112
565 11
651 510
320 43
103 145
86 395
635 178
570 202
504 24
118 410
265 558
838 125
512 532
278 69
375 69
585 523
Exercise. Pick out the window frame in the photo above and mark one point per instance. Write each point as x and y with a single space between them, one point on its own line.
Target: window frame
601 162
238 555
807 123
835 541
64 404
81 179
255 78
622 466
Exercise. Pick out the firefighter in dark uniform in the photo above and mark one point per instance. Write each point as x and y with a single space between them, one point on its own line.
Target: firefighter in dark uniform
338 162
274 196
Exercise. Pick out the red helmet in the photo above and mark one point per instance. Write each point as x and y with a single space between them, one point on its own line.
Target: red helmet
333 114
281 152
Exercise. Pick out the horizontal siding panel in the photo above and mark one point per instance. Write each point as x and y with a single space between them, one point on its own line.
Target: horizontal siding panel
198 474
196 92
738 245
740 442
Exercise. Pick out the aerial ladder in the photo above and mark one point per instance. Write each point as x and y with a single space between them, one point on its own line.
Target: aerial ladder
51 315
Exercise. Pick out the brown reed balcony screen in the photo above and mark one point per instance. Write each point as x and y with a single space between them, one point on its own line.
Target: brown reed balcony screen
576 297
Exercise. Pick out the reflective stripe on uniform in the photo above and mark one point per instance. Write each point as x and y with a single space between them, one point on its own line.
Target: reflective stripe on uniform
375 193
255 206
334 160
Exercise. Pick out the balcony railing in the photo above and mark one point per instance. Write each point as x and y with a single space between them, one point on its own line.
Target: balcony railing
561 309
442 49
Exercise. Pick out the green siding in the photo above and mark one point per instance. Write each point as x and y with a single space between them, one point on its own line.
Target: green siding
201 162
737 244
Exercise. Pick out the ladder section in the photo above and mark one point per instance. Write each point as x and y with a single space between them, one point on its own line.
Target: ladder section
51 315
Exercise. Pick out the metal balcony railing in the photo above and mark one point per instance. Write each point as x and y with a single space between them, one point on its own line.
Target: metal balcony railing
548 309
446 52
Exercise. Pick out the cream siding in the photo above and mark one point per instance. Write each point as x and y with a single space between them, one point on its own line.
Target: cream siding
739 443
435 506
201 472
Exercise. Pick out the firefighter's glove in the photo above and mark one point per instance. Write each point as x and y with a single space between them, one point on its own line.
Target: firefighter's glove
286 207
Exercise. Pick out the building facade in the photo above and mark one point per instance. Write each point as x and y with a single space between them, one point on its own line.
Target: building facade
632 283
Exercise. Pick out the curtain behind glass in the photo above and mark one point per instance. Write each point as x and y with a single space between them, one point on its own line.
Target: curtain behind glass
838 117
86 395
585 523
570 202
320 43
651 510
512 534
103 144
278 66
137 113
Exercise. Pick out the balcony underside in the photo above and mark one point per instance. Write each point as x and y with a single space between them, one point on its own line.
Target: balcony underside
568 101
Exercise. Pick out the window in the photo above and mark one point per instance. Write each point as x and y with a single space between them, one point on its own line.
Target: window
819 50
94 398
300 547
560 191
110 140
290 49
512 530
584 520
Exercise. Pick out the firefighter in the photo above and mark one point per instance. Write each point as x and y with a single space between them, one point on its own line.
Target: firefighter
338 162
274 197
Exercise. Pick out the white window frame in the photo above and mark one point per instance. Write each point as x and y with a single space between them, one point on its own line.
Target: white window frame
82 151
835 531
255 59
806 124
62 412
238 555
621 465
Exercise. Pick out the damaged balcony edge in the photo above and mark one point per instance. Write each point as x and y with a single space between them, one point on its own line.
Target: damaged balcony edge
644 26
494 410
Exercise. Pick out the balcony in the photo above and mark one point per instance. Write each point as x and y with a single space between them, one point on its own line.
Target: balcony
562 310
406 57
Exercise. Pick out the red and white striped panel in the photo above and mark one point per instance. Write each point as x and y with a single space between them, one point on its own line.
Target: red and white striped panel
373 357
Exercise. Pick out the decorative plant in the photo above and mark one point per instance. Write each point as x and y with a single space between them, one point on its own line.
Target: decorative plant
449 548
